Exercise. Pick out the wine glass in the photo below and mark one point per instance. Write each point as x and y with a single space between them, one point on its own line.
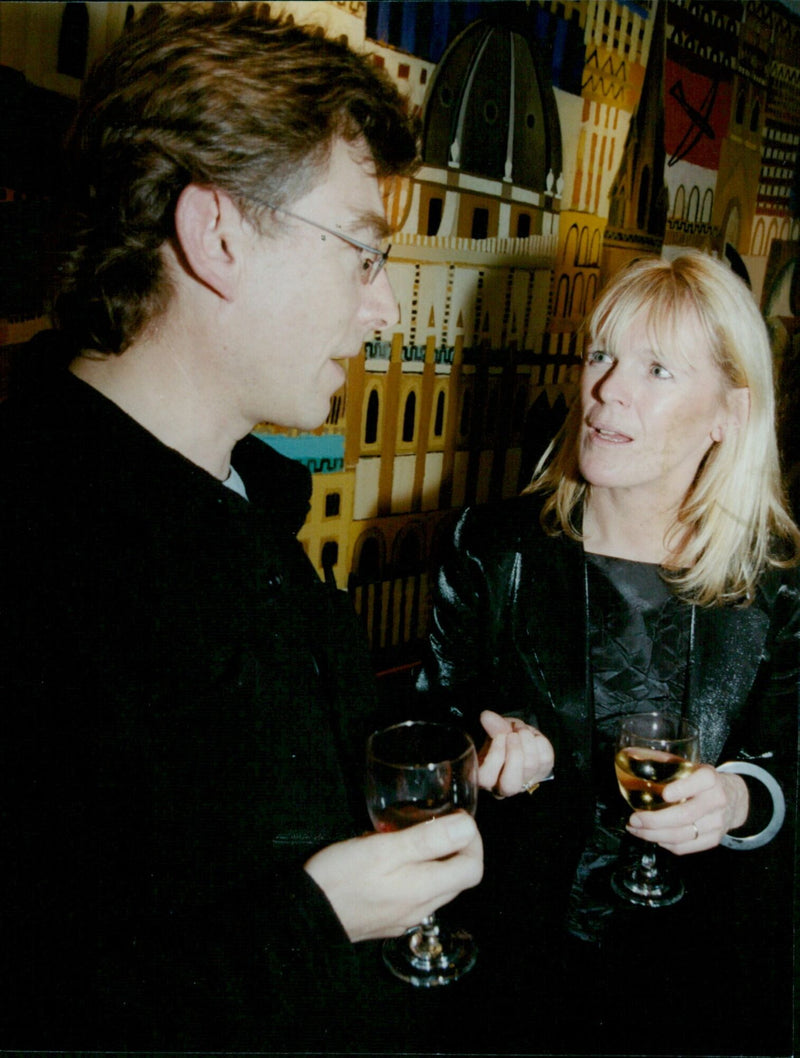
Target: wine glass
652 749
417 771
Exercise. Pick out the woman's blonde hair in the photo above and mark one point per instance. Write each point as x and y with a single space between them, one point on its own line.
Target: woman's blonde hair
733 522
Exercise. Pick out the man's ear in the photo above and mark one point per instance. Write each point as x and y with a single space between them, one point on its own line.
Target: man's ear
209 230
737 412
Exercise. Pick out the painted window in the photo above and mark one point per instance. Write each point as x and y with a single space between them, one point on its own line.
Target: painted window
410 417
438 419
371 424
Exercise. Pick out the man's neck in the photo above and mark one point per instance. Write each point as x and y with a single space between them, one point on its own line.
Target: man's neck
159 387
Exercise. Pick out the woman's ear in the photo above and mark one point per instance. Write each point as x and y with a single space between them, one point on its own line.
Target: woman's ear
737 412
209 230
739 405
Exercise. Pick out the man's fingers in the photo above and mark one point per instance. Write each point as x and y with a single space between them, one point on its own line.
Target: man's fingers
446 873
438 838
456 873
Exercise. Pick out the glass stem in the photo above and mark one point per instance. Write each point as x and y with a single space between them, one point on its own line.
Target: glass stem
648 861
425 942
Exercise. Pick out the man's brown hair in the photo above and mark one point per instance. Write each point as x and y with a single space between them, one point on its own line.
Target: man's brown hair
216 95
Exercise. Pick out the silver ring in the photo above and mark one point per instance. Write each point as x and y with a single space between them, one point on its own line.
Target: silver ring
696 832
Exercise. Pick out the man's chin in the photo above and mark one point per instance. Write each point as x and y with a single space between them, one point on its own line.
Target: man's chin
341 370
313 419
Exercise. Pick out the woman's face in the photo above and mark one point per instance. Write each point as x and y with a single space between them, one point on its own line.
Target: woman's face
650 416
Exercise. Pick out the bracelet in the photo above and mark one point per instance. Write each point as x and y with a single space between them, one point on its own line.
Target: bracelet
755 841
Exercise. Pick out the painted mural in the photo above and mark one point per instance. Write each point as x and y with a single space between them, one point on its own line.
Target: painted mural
559 139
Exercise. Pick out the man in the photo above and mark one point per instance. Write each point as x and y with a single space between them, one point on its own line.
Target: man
185 702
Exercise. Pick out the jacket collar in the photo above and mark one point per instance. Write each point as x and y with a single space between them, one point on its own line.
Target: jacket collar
728 649
551 591
108 437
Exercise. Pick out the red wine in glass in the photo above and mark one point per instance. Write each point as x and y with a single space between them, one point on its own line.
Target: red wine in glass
408 814
418 771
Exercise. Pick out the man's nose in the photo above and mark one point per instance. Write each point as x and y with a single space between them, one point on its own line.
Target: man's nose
379 305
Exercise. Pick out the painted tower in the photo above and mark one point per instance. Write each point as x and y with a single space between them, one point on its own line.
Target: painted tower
638 206
444 401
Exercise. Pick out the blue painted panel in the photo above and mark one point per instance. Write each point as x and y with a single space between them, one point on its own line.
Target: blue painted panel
322 454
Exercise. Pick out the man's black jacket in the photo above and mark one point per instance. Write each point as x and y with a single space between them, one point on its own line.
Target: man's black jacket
183 716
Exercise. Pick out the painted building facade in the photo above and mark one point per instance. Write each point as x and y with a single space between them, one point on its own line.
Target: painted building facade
559 139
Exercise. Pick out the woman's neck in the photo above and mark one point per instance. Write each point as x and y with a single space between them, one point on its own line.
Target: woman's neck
624 526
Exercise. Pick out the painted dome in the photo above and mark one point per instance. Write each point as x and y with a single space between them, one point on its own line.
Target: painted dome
491 110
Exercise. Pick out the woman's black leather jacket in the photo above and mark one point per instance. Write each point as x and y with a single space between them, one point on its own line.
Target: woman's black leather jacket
509 633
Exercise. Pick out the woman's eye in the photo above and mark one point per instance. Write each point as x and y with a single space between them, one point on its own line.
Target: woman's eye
659 371
598 356
367 260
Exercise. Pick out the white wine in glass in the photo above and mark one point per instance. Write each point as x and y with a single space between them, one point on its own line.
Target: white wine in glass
652 750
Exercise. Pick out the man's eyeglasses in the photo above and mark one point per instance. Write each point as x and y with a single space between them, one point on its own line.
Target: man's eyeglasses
372 260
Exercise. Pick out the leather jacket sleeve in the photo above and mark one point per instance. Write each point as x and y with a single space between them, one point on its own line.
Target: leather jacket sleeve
764 729
483 651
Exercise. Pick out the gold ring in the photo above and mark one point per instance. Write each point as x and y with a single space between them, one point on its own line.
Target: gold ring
696 832
530 787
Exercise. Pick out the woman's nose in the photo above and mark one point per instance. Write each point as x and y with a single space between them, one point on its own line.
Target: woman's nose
613 387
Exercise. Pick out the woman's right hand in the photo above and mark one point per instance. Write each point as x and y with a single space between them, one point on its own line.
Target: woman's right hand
515 757
380 885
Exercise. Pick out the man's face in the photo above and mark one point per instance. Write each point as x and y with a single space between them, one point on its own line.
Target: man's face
305 305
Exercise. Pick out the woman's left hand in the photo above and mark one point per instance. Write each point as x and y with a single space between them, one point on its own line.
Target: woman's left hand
514 757
704 806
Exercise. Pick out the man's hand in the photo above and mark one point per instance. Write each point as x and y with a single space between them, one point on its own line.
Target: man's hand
380 885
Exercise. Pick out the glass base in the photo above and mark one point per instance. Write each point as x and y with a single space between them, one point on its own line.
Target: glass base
647 885
428 956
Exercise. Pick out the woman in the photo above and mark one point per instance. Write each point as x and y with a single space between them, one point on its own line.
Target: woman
651 564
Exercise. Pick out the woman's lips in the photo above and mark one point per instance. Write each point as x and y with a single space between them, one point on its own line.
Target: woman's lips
609 436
